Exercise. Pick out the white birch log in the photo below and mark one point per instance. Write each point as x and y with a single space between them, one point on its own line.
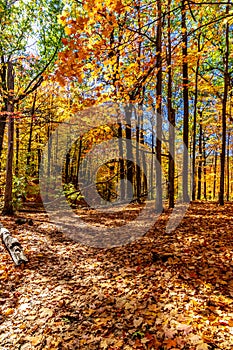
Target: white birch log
13 246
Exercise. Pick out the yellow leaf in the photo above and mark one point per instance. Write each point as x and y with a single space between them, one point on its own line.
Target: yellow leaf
119 343
202 346
23 326
3 276
68 30
8 312
153 307
36 340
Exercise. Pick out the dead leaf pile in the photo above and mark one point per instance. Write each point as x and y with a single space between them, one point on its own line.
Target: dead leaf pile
74 297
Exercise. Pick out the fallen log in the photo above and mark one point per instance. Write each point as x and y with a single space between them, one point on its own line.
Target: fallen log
13 246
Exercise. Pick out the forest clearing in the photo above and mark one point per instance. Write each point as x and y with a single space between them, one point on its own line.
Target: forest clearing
116 174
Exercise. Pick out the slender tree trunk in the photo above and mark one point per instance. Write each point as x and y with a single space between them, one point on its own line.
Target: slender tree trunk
79 160
195 124
30 136
67 168
39 156
231 174
228 166
171 175
185 102
159 200
3 116
151 185
49 145
144 187
199 172
204 168
138 168
224 112
73 163
129 152
215 173
171 118
121 162
8 199
17 150
17 135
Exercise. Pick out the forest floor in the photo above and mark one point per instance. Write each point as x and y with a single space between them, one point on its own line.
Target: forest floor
70 296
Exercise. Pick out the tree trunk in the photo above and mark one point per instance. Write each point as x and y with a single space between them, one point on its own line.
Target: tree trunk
39 153
3 117
129 153
144 186
159 200
137 167
17 135
49 162
199 171
121 162
67 168
79 161
228 166
30 137
215 173
204 168
13 246
171 170
171 118
8 199
195 124
151 184
224 112
186 103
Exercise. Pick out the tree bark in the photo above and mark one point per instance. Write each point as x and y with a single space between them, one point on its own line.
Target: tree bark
8 198
121 162
144 186
159 200
17 137
215 173
199 171
151 184
171 169
13 246
3 117
129 152
137 167
195 124
228 165
185 102
171 118
78 161
204 168
224 112
49 161
28 170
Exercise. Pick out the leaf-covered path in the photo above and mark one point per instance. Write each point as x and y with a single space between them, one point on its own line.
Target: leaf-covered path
73 297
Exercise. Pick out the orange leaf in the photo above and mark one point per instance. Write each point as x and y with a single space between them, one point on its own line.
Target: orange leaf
170 343
68 30
64 41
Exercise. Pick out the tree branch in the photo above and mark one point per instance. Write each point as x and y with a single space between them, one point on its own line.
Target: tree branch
37 79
